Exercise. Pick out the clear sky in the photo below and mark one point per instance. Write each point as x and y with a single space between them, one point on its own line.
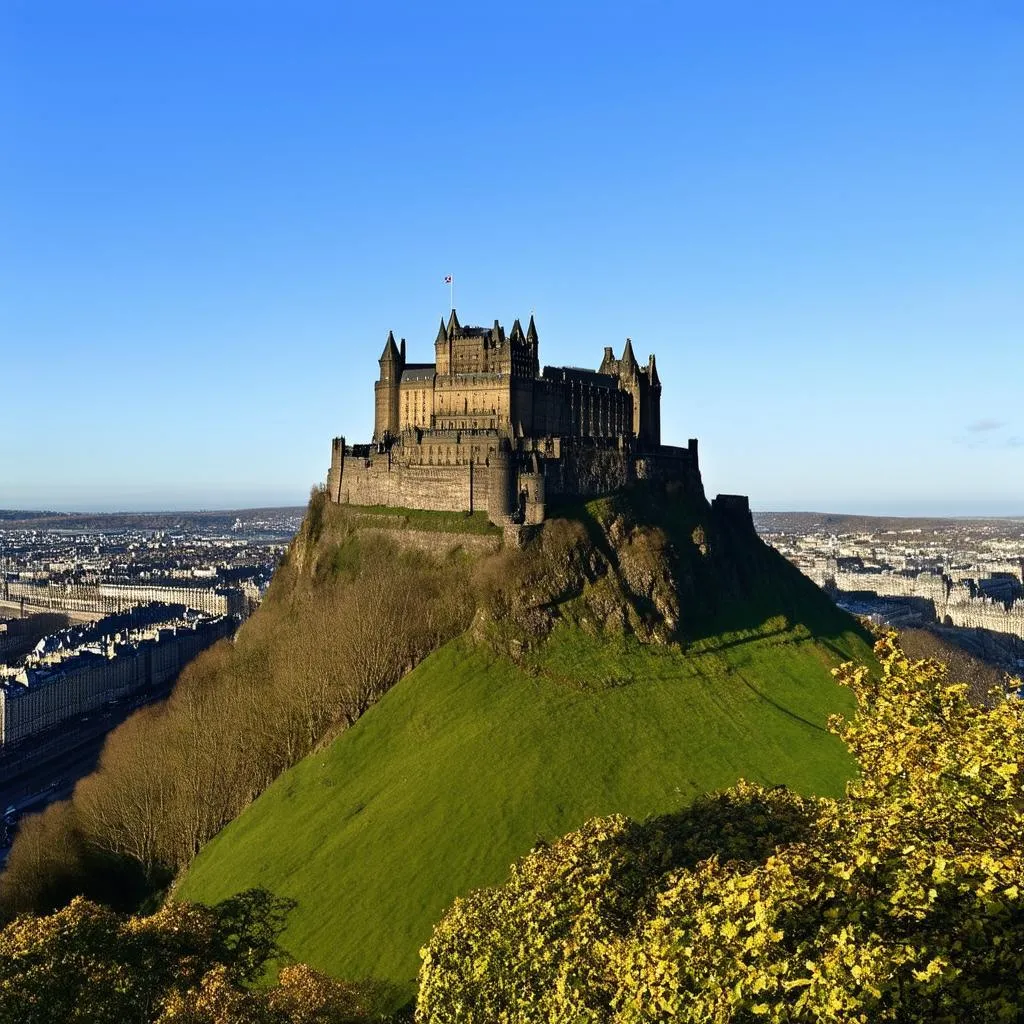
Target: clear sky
211 214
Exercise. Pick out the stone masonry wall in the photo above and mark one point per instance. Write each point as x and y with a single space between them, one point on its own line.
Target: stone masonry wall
380 481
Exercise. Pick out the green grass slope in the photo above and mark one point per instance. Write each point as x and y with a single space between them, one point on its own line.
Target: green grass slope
471 759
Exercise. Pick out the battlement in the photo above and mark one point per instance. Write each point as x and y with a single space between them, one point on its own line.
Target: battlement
483 428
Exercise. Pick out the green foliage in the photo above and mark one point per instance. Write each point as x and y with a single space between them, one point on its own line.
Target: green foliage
185 964
87 963
313 524
900 903
470 758
578 896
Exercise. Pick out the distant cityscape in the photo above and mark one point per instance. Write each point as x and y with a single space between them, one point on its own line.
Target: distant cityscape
98 615
962 578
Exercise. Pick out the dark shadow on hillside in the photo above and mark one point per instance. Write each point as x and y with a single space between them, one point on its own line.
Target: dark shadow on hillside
781 707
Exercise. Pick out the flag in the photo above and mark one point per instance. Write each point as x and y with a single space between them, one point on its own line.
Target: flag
447 278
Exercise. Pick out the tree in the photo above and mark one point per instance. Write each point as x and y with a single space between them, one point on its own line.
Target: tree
901 902
123 805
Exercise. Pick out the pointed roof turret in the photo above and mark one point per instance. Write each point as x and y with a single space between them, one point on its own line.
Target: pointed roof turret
390 353
652 370
453 324
629 363
442 334
531 331
517 330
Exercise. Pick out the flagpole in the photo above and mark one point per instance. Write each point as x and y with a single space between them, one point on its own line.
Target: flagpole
451 292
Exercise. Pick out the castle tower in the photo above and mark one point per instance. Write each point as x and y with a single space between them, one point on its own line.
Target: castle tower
442 348
533 490
385 391
651 411
337 469
500 497
534 348
629 380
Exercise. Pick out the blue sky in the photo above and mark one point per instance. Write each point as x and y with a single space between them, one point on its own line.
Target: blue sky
212 213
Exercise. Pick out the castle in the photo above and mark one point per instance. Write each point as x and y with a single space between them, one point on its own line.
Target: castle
483 427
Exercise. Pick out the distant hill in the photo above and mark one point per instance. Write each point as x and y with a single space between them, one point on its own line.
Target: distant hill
220 519
845 523
638 651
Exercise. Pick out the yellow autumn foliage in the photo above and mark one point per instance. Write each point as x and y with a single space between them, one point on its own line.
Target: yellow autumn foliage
185 964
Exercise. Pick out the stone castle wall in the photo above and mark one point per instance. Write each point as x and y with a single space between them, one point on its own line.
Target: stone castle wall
451 473
381 480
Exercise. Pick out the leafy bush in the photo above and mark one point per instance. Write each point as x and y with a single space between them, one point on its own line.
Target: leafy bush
186 964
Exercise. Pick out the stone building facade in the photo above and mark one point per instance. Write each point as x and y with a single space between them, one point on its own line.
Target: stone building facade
945 600
38 699
484 427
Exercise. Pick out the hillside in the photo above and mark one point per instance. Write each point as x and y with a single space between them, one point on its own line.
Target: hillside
637 652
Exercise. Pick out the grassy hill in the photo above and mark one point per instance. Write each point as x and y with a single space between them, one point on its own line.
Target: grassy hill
638 653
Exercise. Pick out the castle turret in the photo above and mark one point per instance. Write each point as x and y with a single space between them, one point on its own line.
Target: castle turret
534 347
628 366
629 380
442 353
652 372
500 492
392 363
532 485
334 474
650 419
